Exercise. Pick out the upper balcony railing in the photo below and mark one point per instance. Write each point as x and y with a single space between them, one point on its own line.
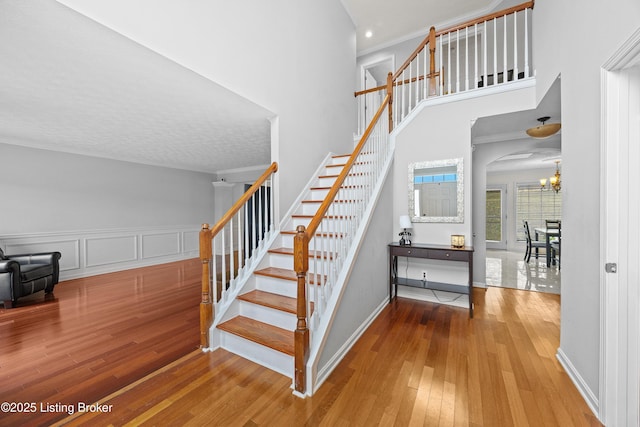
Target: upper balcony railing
492 50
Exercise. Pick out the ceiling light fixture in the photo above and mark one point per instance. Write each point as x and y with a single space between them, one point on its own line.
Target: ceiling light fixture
554 181
543 131
368 34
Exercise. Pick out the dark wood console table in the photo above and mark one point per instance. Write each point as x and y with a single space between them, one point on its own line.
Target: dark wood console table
438 252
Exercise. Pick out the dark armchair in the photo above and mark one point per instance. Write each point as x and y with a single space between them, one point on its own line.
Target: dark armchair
22 275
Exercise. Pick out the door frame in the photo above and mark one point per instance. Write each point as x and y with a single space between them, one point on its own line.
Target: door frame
620 214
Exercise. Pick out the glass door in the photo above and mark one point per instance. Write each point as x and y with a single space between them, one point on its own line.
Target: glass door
496 218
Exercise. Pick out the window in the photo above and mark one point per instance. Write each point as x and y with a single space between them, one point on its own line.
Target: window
535 206
494 215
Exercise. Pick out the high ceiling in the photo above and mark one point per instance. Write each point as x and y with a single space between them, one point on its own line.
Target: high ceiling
72 85
67 83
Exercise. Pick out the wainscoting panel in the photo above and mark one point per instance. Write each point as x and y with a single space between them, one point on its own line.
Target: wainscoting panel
69 247
110 250
87 253
155 245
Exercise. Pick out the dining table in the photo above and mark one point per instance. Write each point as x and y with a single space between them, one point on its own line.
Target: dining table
548 233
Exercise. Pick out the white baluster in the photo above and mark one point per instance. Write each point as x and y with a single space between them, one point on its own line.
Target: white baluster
504 49
515 45
486 75
526 42
475 49
466 58
425 82
457 60
403 92
231 260
440 67
449 64
409 107
224 267
495 52
214 263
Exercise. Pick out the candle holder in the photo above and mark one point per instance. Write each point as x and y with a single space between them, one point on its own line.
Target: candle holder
457 241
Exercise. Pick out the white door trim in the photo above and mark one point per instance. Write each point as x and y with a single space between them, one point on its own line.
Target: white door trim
619 326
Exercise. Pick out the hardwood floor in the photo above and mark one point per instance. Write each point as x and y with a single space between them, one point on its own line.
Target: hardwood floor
95 335
418 364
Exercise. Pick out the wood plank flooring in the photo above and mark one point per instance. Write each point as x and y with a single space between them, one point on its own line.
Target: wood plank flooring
418 364
95 335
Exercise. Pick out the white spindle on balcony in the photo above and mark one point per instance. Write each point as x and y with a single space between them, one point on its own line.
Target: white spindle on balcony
485 47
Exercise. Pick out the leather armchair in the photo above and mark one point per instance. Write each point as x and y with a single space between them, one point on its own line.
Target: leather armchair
22 275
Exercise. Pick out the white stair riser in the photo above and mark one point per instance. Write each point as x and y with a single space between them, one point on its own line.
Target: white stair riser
268 315
276 286
286 261
287 288
329 224
287 241
265 356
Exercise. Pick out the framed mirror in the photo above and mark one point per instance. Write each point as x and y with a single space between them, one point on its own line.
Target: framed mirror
436 191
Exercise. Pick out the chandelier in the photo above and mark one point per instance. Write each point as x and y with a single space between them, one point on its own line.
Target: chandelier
544 130
554 181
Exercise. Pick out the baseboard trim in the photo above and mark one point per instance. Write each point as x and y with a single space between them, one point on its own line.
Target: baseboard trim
581 385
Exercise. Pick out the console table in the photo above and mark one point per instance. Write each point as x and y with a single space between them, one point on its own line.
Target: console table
437 252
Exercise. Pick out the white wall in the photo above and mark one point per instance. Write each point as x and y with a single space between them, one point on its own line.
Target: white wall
293 58
577 52
45 191
103 215
443 131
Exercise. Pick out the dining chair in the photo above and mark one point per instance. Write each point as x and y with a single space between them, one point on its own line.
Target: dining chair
556 245
552 223
531 244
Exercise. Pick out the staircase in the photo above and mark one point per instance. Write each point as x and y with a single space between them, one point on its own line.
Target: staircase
259 324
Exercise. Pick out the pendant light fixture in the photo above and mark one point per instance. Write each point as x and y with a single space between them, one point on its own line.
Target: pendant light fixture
543 130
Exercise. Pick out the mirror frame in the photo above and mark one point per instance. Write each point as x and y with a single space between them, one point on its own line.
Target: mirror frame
459 191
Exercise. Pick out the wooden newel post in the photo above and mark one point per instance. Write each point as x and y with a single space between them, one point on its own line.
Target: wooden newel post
390 93
206 308
432 61
301 335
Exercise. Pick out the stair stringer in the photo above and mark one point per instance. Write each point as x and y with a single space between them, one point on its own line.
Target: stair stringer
320 334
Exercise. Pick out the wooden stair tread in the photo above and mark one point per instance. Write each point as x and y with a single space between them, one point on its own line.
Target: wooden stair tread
271 300
312 254
283 273
268 299
324 234
326 216
262 333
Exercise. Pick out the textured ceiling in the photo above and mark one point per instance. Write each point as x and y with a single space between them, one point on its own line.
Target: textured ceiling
70 84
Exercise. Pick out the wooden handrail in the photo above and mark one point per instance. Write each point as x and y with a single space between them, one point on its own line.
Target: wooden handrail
301 257
242 200
373 89
206 253
469 23
322 210
498 14
421 46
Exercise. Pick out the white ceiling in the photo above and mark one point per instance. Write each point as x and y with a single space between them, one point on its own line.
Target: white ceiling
70 84
401 20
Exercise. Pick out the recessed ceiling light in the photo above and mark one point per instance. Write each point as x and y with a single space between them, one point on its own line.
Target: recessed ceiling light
368 34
